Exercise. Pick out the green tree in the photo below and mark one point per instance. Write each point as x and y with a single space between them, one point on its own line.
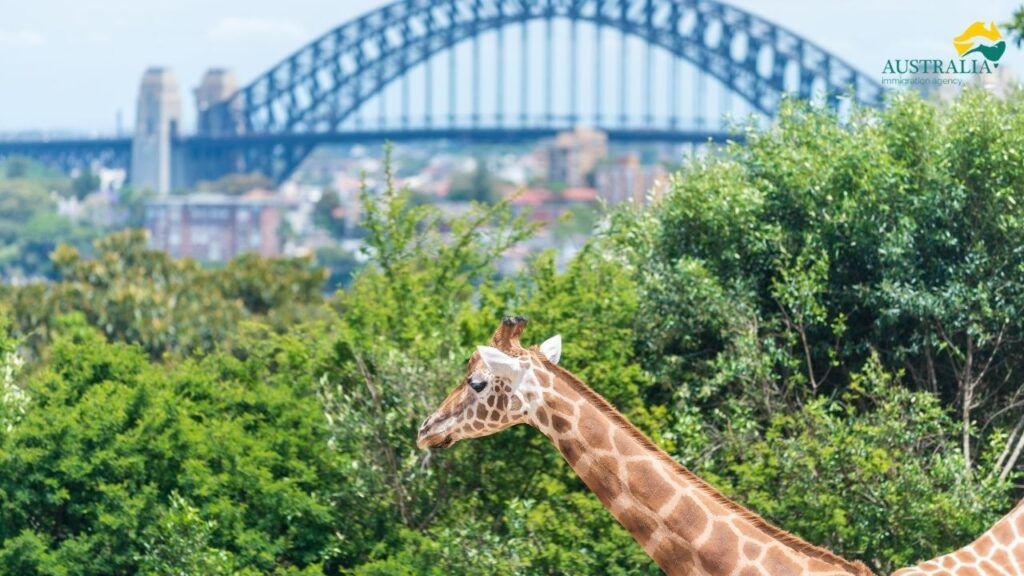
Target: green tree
327 213
236 184
427 296
880 456
17 167
133 201
823 322
84 184
134 294
241 441
31 229
179 543
1015 26
13 400
774 274
340 265
477 185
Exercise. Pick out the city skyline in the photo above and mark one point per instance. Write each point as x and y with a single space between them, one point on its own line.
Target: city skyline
65 48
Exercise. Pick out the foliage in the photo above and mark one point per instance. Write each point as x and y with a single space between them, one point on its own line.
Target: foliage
16 167
13 400
1016 26
138 295
235 184
30 228
327 213
91 475
407 318
779 276
84 184
578 219
477 185
133 200
824 323
340 265
24 168
410 318
180 544
881 456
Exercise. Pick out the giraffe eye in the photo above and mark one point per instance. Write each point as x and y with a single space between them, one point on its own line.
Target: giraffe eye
477 385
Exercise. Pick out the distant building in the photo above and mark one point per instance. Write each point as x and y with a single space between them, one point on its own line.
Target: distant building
629 181
572 156
214 227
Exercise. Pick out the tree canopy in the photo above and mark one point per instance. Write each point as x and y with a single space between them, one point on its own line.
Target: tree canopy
823 322
30 228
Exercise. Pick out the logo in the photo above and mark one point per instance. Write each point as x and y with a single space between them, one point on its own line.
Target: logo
991 45
978 50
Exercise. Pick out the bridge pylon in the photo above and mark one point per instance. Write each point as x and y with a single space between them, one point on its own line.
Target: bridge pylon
217 85
157 118
216 118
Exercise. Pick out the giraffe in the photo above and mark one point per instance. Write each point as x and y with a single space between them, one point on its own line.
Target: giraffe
1000 551
683 523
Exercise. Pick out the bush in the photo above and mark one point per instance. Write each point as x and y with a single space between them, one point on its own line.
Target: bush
823 323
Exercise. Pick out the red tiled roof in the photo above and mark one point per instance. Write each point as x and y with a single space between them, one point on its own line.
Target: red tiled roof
533 197
580 194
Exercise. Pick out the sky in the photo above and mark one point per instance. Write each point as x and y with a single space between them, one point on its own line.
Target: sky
74 65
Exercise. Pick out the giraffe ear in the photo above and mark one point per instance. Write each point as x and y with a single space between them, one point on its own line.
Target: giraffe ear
552 348
499 363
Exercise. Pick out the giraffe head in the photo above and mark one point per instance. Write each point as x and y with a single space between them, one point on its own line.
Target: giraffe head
495 392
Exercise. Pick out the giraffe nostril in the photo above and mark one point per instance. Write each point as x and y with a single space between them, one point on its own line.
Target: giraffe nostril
426 424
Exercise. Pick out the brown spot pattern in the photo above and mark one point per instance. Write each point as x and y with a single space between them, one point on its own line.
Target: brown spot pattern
645 484
542 416
571 450
556 404
674 558
593 428
625 445
720 554
687 520
560 424
639 523
777 563
603 478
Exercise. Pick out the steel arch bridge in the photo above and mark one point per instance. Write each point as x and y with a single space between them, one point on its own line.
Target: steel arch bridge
317 94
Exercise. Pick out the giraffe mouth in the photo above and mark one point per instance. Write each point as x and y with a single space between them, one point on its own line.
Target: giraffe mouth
435 441
436 431
434 434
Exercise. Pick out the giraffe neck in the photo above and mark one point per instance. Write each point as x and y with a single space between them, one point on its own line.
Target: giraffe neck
683 523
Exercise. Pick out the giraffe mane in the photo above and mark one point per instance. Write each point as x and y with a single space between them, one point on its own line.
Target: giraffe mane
788 539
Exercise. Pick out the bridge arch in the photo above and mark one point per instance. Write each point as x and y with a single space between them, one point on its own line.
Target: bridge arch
318 87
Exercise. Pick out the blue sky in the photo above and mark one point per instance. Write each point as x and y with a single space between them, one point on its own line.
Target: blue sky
73 64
